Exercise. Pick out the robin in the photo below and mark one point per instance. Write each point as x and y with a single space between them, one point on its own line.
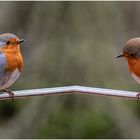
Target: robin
131 52
11 61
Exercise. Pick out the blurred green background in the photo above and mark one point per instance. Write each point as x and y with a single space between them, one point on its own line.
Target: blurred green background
71 43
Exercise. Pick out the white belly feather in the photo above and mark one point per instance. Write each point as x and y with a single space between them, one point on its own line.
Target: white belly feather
14 76
136 78
9 80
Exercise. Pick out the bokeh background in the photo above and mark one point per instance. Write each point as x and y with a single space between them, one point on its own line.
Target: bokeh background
71 43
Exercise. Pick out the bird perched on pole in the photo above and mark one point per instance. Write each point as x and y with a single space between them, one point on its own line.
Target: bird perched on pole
11 61
131 51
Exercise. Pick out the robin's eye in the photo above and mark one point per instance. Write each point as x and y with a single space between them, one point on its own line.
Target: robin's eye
132 55
8 42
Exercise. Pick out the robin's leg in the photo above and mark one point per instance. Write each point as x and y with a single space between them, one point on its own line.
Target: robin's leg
11 94
138 97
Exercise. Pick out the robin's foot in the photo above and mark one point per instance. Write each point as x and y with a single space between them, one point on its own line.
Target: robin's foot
11 94
138 97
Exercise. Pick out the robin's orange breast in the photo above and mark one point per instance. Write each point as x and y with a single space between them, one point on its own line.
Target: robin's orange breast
134 66
14 59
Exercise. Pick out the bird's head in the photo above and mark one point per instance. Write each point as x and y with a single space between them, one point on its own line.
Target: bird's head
8 40
131 50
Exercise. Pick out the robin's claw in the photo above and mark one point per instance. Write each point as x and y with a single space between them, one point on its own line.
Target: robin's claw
138 97
11 94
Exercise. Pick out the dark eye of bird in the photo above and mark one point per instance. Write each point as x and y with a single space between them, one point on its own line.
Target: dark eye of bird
8 42
132 55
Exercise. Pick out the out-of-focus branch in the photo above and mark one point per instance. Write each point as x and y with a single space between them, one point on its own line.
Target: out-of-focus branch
70 90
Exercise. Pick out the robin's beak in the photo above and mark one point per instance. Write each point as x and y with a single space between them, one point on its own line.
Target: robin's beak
121 55
20 41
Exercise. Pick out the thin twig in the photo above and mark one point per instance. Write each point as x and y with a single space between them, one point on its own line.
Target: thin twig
70 90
